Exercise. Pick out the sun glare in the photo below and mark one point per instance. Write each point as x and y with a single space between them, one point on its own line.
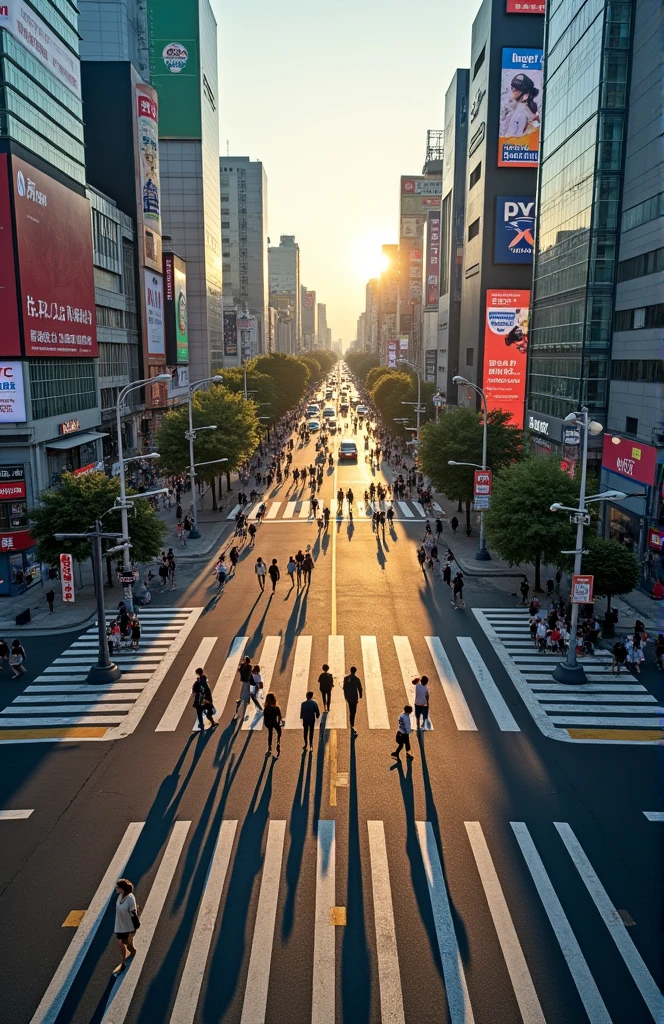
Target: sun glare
368 259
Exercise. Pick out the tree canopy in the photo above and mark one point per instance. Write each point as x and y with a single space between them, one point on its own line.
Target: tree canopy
615 569
76 503
359 363
290 378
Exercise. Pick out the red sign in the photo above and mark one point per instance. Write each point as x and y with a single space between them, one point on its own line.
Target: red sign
9 492
636 461
20 541
90 468
67 578
505 348
54 241
483 481
433 260
10 338
525 6
656 539
582 589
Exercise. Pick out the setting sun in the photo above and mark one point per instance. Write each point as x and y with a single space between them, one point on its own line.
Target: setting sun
367 258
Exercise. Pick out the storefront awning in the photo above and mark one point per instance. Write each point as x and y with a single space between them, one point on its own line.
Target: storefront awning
75 440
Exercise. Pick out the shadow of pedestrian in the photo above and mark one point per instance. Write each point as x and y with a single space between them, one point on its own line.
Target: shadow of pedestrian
298 832
355 961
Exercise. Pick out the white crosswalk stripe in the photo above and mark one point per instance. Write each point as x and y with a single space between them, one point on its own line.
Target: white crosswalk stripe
182 696
606 702
284 508
299 681
128 996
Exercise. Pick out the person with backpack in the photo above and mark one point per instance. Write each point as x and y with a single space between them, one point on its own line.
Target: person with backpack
17 659
273 721
203 700
274 574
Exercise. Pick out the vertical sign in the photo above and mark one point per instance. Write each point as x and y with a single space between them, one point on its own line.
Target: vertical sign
67 578
582 589
505 348
230 332
10 338
433 260
154 312
482 482
391 353
175 310
520 107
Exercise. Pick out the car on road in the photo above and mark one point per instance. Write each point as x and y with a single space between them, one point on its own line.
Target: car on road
328 412
313 410
343 408
348 451
362 410
313 426
332 426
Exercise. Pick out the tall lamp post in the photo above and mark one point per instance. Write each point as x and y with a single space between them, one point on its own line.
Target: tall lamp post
190 434
482 555
570 671
122 394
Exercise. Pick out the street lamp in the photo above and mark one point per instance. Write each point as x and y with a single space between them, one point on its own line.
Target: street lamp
570 671
126 558
191 436
418 410
482 555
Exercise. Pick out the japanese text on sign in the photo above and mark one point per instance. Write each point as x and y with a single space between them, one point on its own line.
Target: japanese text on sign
67 578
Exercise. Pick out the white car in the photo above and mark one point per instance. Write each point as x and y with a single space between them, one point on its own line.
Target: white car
328 412
313 426
332 426
362 410
313 410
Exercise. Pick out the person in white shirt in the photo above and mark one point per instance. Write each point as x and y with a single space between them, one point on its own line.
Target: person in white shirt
403 733
260 570
126 910
421 700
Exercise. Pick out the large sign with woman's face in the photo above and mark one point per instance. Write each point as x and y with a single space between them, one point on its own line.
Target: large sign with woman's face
520 107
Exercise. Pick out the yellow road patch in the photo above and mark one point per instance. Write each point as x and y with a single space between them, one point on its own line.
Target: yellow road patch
74 732
644 735
338 916
73 919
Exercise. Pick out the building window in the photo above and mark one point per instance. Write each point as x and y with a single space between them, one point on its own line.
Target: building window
470 356
474 229
61 386
643 371
105 235
640 266
648 210
107 316
631 425
642 316
225 224
107 280
480 61
475 176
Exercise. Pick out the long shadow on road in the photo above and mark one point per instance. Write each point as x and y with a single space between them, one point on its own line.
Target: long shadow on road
355 964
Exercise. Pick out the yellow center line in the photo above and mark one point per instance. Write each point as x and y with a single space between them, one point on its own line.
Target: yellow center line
333 767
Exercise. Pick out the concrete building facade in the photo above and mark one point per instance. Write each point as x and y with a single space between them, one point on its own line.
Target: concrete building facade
285 287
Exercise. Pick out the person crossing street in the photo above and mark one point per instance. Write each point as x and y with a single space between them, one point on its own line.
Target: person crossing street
352 687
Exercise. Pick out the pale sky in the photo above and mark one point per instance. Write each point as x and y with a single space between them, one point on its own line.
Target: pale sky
336 98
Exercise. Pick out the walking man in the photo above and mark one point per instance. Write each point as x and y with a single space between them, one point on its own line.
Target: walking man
50 598
203 700
244 672
352 693
403 733
260 571
307 566
275 575
457 590
309 712
421 700
524 588
326 682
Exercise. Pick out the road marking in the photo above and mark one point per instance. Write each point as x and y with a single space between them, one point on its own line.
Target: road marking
258 978
16 815
299 681
458 1000
305 508
273 510
605 687
48 706
323 1009
635 965
405 508
408 672
494 697
121 996
336 716
618 735
583 979
233 512
289 510
575 699
63 979
91 691
419 508
73 919
182 696
517 968
389 979
455 698
267 662
591 707
333 608
650 815
189 991
48 735
600 720
254 511
70 720
228 673
373 684
332 765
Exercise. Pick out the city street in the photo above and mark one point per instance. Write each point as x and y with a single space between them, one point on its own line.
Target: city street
501 875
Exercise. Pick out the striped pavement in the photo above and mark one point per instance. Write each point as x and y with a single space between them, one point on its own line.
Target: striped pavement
287 509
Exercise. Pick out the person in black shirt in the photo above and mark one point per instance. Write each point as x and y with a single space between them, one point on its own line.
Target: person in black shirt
203 700
326 682
352 693
273 721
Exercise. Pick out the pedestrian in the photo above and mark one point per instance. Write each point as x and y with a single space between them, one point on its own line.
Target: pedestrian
309 712
126 921
17 659
454 523
4 653
352 692
252 534
619 657
457 590
273 721
203 700
170 558
421 557
135 632
447 574
326 682
559 577
524 587
260 571
256 684
246 695
50 599
307 567
299 559
291 569
182 540
403 733
163 571
421 685
274 573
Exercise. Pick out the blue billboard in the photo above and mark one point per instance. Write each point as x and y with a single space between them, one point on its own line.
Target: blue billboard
514 239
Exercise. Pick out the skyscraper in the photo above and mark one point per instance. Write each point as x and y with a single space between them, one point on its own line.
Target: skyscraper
284 278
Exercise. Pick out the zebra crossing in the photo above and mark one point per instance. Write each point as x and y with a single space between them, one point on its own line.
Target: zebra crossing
61 705
391 909
290 671
300 509
608 708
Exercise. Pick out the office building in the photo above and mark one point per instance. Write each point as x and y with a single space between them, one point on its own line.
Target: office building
322 338
387 297
452 233
309 319
115 30
284 283
419 194
243 185
49 413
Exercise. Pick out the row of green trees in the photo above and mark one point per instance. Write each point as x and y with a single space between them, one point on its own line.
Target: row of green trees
276 384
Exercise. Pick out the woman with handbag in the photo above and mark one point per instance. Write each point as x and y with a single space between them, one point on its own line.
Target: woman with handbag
127 921
203 700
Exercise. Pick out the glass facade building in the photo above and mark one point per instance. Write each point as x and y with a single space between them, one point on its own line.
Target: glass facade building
586 76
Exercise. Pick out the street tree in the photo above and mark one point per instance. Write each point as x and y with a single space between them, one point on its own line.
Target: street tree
519 524
359 363
374 375
290 377
261 389
615 569
387 394
458 437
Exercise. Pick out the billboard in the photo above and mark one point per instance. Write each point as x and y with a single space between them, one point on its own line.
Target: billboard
631 459
175 310
309 300
175 67
230 332
525 7
421 186
10 337
433 260
154 315
40 41
54 243
520 107
514 238
147 121
12 397
391 353
505 349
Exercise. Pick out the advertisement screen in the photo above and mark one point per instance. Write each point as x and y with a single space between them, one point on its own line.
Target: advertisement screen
148 152
174 67
433 260
514 240
12 398
391 353
520 107
525 7
154 312
505 351
37 38
54 241
630 459
175 310
10 338
230 332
